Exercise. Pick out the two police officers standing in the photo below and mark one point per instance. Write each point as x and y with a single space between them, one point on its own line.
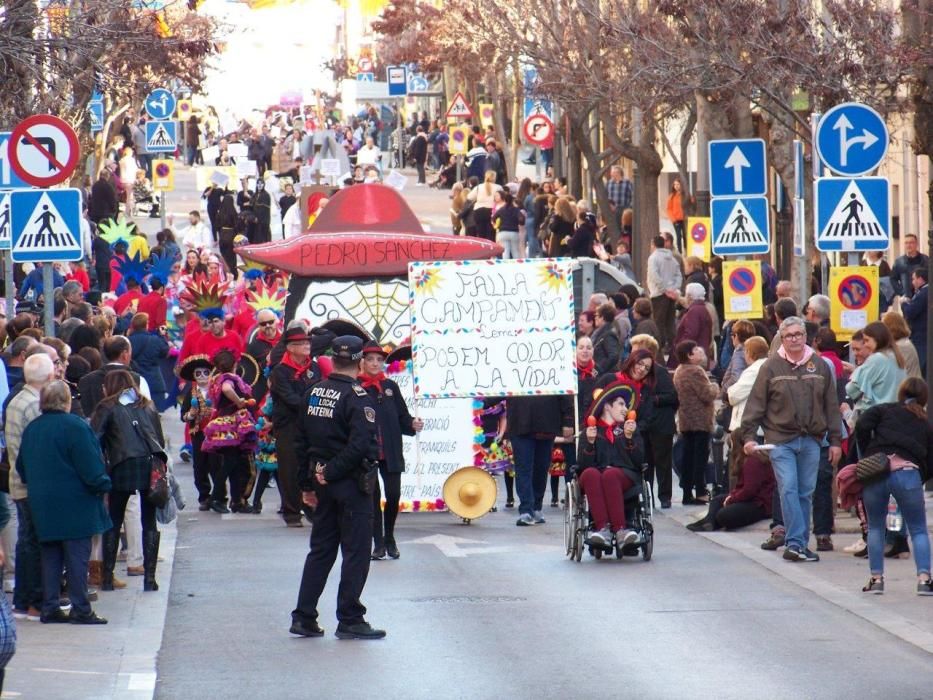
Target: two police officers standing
337 449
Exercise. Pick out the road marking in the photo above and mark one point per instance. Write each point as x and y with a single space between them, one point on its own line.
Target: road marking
453 547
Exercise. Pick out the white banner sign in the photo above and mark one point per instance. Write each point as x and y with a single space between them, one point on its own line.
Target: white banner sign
444 445
492 328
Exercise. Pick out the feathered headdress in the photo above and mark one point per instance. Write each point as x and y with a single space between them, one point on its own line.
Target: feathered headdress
207 298
267 296
116 231
252 270
161 267
132 268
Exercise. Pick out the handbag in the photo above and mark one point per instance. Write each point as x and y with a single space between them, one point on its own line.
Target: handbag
872 468
158 493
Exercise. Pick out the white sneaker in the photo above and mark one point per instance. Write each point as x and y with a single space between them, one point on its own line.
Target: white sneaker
601 538
626 536
856 546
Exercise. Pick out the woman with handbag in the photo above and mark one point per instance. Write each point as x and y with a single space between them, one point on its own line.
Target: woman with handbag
896 442
130 435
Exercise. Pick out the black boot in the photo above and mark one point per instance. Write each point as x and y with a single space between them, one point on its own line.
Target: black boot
150 559
109 543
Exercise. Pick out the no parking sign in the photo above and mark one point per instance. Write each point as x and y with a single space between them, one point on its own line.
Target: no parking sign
459 140
742 289
853 299
698 238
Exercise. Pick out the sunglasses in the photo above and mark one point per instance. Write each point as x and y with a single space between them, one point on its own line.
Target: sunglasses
267 323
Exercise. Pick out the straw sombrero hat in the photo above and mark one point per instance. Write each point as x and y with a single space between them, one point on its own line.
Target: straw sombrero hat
470 493
185 370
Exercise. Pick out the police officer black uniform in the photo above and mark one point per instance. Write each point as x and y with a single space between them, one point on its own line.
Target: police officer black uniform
337 452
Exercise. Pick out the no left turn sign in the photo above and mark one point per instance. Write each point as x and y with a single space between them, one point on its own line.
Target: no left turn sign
43 150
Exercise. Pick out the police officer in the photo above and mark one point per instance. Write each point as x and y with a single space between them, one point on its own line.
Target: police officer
337 451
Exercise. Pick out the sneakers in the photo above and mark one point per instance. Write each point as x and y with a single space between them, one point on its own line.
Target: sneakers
925 587
625 537
824 543
510 503
703 526
539 517
379 553
90 619
31 614
525 520
795 553
603 538
874 585
774 541
360 630
306 629
856 546
219 507
59 616
392 549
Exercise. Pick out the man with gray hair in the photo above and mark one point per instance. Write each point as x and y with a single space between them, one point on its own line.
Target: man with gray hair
794 401
817 310
38 371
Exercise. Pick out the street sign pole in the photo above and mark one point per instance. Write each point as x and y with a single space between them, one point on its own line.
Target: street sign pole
10 284
48 297
800 224
163 205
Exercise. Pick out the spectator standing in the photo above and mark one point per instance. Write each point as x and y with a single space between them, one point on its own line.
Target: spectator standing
796 413
621 193
418 150
675 212
696 324
696 394
903 267
606 347
915 311
664 280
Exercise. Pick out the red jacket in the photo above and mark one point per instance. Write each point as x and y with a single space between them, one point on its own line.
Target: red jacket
156 306
125 301
755 484
80 276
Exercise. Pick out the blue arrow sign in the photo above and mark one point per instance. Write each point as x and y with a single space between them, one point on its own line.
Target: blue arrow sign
852 213
46 225
160 104
737 167
852 139
95 110
740 225
161 137
8 178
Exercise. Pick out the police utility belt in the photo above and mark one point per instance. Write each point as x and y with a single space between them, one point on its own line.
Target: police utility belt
364 475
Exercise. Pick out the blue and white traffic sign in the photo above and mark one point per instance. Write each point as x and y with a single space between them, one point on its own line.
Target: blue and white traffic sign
852 139
365 77
8 177
535 107
46 225
397 79
852 213
5 226
417 83
160 104
95 110
740 225
161 137
738 168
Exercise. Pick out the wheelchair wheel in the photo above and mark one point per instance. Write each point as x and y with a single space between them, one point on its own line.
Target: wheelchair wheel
569 534
648 547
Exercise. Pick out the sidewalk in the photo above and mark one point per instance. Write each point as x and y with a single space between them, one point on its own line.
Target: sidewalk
838 577
115 661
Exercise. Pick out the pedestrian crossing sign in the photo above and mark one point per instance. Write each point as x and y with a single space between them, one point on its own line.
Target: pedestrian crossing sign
852 213
5 226
740 225
46 225
161 137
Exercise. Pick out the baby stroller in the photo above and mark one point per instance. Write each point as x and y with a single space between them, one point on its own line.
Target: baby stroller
578 524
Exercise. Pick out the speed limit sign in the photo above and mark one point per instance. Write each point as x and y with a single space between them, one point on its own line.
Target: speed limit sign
539 130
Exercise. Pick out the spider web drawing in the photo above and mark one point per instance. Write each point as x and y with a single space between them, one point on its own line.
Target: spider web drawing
381 307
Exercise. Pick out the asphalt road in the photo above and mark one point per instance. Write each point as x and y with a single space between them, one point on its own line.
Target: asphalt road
506 615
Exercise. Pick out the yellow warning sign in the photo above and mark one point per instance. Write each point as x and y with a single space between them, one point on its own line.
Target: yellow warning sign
853 299
163 175
741 289
185 110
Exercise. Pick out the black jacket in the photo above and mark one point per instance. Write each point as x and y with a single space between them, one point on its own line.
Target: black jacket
259 349
621 452
890 427
393 421
538 415
91 386
288 387
337 428
659 404
606 348
148 351
118 437
102 203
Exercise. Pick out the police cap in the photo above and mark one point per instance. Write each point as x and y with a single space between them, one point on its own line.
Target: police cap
347 347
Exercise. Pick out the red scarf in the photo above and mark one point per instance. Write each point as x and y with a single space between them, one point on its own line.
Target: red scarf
587 371
299 368
372 380
623 377
607 428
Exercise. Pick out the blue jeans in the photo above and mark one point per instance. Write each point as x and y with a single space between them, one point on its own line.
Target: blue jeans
532 459
72 556
28 572
907 489
823 517
796 465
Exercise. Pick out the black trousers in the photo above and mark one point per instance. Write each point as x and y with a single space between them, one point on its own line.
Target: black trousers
233 464
696 457
659 451
147 511
287 474
201 467
388 515
663 311
343 519
225 245
734 515
262 480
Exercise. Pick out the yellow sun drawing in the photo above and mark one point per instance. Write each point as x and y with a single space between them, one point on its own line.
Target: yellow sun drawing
428 280
553 277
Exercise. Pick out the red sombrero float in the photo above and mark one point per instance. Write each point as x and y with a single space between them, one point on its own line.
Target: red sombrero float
365 231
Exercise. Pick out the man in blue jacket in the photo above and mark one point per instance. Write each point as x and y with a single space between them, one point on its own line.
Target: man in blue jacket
915 311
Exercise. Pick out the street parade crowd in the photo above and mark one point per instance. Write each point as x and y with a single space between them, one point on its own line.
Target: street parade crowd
186 326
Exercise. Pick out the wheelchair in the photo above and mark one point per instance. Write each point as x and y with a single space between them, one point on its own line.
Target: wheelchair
578 523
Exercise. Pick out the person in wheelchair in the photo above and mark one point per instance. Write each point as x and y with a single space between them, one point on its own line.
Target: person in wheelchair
608 459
